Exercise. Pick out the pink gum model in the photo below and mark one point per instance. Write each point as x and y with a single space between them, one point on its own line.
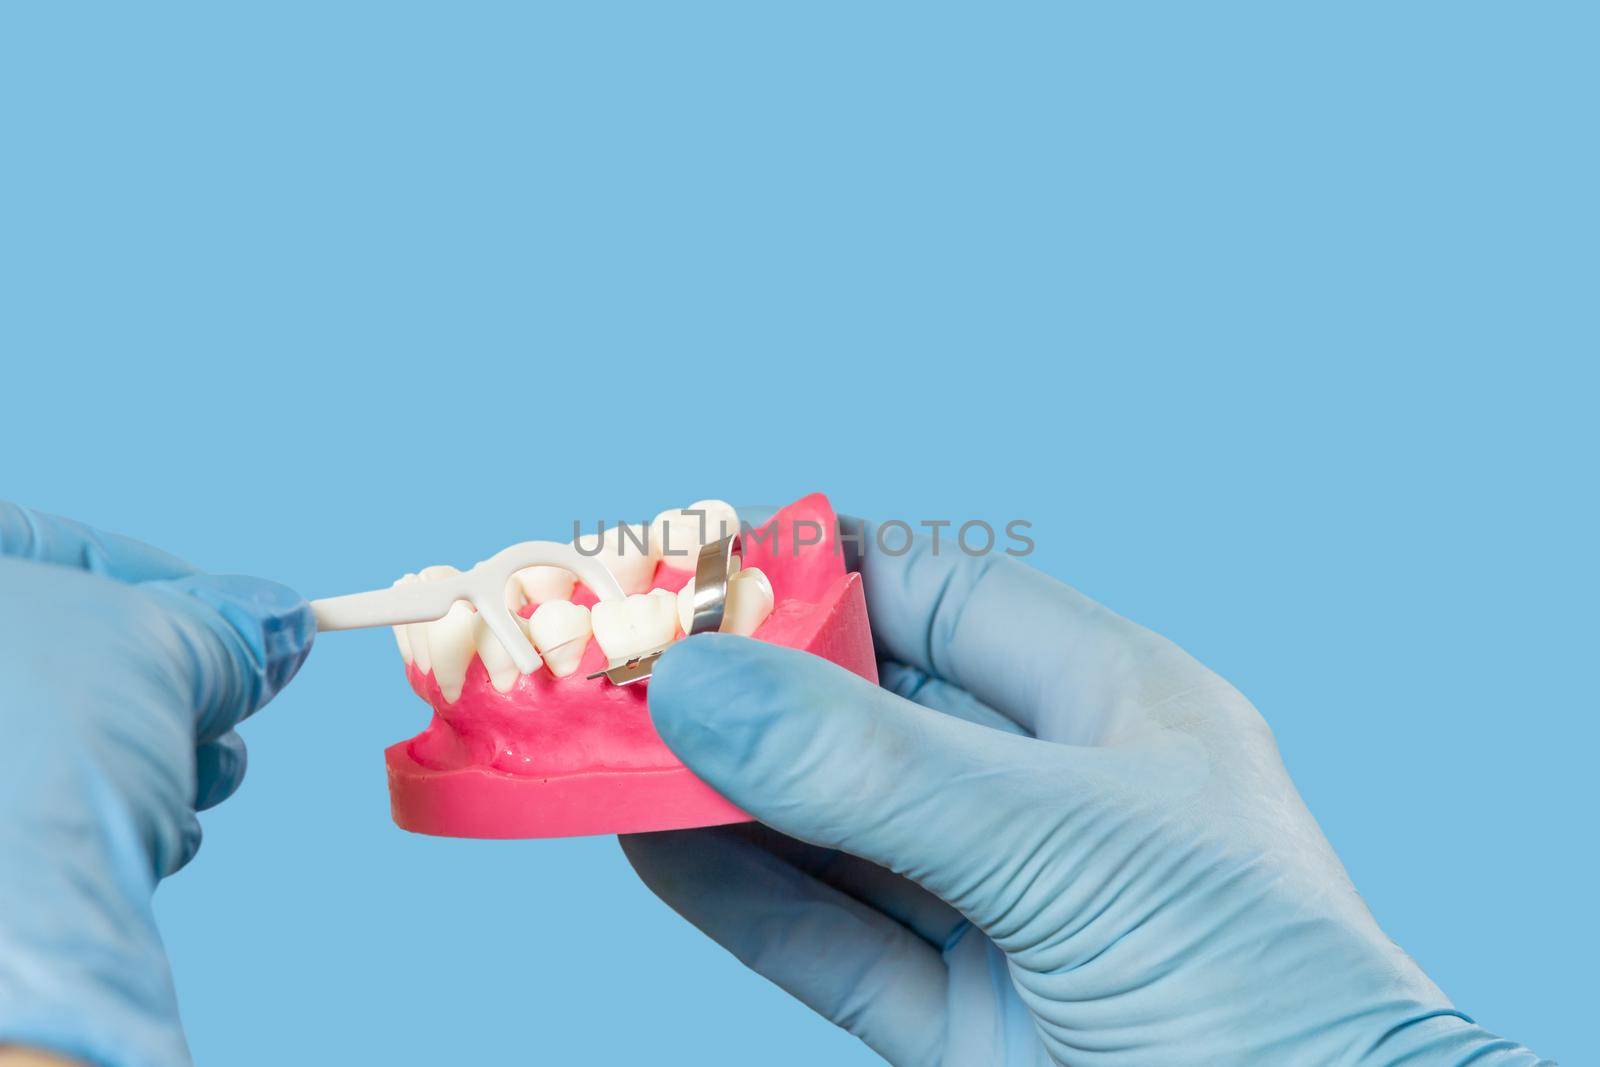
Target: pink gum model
561 757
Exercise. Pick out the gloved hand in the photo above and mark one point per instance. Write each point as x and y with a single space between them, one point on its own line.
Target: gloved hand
122 674
1051 836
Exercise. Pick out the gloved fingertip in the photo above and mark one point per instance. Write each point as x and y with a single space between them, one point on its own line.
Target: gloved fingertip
244 640
219 769
702 686
273 619
744 714
188 845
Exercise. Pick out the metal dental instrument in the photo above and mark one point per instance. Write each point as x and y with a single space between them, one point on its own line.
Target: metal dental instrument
483 586
712 570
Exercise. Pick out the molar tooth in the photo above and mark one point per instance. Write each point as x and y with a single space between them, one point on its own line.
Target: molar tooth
686 606
560 630
540 584
750 601
678 534
450 645
613 629
667 607
496 660
619 548
642 622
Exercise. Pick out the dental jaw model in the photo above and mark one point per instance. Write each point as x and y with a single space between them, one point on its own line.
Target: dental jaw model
532 735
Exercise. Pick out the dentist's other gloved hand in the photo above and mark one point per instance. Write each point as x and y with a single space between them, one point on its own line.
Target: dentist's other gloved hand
1052 836
122 674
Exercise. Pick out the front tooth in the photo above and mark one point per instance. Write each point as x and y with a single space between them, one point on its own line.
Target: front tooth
417 632
750 601
680 533
450 644
560 631
642 622
540 584
628 552
402 634
496 660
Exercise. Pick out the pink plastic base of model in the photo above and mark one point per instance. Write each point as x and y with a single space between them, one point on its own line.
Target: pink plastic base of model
561 757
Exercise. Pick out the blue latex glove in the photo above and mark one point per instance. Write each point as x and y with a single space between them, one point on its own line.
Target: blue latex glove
122 674
1051 836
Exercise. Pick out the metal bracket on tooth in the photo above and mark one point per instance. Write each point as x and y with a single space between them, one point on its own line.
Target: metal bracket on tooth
712 570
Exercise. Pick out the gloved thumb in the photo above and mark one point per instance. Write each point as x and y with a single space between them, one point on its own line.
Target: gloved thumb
236 641
823 755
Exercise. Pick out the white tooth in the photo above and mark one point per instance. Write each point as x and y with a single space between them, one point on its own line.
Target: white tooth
496 660
417 638
402 634
417 632
686 606
450 645
679 533
677 537
721 518
628 552
560 630
686 596
668 608
638 624
540 584
749 602
614 630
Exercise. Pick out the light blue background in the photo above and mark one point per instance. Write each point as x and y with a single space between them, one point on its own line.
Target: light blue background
1279 324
